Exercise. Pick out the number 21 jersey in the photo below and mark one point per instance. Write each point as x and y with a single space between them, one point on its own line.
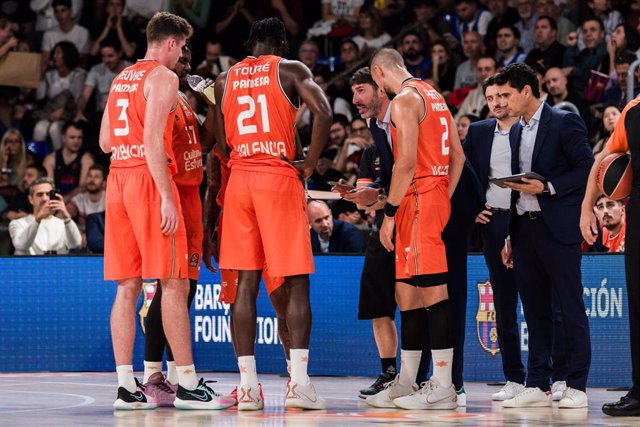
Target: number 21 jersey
259 117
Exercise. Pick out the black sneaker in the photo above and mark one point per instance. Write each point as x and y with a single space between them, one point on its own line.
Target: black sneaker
203 397
377 386
128 401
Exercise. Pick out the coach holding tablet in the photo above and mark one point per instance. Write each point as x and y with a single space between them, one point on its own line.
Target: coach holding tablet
545 233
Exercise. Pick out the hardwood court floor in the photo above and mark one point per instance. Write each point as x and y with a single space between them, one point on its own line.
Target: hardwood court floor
85 399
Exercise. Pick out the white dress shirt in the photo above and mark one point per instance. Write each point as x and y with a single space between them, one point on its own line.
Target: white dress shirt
385 123
528 202
499 167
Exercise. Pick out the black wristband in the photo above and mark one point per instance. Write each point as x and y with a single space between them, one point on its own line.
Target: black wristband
390 210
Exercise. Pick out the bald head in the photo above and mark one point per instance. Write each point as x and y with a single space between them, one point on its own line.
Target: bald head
320 219
556 82
388 70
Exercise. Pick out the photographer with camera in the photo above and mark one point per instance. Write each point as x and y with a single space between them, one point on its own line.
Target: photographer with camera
50 229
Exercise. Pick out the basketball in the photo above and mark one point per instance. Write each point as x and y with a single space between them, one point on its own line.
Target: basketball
615 176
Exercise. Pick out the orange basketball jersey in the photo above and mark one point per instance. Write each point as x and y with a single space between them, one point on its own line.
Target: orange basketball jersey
224 177
432 162
259 117
186 144
127 106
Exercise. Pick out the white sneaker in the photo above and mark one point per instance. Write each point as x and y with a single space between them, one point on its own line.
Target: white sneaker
557 390
462 397
509 391
430 396
250 398
303 397
392 390
573 399
530 397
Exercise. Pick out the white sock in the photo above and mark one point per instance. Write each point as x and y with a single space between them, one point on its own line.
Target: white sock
150 368
299 362
172 373
187 377
125 377
288 366
442 361
409 364
248 373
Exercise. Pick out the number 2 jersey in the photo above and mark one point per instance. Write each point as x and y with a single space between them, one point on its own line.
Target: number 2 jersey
432 161
127 105
259 117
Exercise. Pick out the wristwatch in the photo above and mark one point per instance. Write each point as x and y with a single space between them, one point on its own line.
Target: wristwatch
382 195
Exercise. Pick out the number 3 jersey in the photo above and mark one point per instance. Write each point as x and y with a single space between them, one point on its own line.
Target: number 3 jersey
127 106
259 118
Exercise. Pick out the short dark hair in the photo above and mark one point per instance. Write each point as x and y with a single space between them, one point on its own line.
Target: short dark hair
626 57
269 31
412 33
342 119
97 167
604 196
351 42
65 3
111 42
596 19
39 168
164 25
514 30
552 22
71 124
518 76
362 76
489 81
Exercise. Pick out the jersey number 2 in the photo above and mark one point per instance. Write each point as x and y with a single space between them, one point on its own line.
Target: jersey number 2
243 128
122 131
445 136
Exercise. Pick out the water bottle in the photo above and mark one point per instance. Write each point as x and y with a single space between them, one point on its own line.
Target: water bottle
202 85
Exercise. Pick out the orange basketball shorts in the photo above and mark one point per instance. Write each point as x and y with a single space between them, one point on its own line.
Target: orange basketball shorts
421 257
134 245
265 221
229 280
192 214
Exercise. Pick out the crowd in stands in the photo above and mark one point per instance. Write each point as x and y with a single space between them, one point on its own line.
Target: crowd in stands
581 50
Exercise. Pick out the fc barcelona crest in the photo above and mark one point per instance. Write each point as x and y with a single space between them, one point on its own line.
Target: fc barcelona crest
486 319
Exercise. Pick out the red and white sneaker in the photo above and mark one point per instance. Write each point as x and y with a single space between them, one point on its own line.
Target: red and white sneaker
250 398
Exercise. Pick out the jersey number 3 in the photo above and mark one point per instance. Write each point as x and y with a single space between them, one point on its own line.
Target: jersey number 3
123 104
247 115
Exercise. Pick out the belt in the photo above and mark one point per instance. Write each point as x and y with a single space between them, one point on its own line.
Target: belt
500 211
533 215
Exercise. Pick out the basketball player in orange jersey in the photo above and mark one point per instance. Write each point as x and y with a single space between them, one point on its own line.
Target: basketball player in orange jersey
265 207
186 145
624 139
428 163
218 175
145 233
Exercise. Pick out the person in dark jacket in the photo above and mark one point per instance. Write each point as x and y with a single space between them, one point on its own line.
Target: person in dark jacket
332 235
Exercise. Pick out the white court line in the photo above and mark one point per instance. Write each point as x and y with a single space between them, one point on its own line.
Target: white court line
86 400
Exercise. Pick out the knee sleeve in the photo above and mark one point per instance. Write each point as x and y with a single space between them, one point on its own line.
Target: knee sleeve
412 328
440 323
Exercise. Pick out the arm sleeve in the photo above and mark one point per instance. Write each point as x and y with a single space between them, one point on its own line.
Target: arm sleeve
22 237
618 142
72 234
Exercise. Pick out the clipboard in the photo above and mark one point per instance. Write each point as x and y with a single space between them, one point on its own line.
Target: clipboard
516 178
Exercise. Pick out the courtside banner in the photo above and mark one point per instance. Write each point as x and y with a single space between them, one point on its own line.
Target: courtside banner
54 316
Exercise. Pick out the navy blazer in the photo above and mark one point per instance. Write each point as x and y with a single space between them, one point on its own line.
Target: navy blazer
345 238
562 155
477 147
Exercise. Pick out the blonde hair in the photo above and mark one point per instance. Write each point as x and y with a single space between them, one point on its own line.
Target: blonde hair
18 164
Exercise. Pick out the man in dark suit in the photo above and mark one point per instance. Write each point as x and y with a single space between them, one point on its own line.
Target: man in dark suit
545 234
488 149
332 235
